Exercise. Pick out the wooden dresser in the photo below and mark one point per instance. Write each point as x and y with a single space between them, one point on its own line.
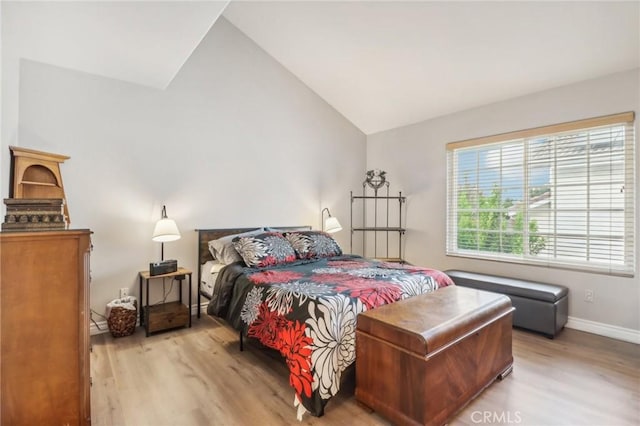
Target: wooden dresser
44 328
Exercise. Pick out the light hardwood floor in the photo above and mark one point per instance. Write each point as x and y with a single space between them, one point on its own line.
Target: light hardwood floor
197 376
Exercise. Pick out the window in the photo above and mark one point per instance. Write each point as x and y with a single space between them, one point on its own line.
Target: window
560 196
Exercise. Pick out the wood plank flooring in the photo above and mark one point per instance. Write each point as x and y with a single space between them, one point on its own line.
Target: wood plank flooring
198 376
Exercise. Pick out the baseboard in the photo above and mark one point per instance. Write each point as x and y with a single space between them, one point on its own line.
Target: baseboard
606 330
203 307
100 327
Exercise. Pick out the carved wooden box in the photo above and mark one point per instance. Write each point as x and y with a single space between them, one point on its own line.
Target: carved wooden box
33 214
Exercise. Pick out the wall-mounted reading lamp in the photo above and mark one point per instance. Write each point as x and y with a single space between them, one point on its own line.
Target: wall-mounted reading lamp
330 225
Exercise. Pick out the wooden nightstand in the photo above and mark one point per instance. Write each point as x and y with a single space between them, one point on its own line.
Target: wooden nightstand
164 316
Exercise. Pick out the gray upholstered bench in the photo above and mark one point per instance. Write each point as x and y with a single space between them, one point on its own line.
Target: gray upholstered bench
539 307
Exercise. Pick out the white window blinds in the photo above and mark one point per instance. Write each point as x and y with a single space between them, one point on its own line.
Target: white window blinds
560 196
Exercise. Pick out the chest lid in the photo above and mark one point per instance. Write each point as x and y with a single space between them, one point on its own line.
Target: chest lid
424 323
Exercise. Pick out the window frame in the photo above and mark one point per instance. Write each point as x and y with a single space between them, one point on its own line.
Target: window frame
525 137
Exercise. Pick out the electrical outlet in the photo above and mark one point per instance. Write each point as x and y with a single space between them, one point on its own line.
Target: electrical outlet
588 296
124 292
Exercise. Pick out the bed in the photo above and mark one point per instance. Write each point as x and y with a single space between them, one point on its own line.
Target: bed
293 290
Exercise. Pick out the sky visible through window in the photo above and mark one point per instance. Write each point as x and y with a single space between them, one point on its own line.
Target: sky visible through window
501 166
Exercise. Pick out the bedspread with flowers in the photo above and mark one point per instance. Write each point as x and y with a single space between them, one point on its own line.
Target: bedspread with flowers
307 311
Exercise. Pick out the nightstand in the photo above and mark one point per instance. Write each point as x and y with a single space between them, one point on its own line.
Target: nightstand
164 316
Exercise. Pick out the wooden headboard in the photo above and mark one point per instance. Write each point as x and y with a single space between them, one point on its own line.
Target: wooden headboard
206 235
204 255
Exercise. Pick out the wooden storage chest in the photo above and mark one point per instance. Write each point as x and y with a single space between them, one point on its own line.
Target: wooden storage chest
420 360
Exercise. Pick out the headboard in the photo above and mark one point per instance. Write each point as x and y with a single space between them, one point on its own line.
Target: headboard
206 235
204 255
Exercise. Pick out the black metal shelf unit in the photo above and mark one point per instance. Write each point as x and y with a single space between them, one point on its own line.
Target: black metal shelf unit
379 221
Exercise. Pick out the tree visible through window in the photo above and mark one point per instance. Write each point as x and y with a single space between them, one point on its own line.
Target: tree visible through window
486 223
560 195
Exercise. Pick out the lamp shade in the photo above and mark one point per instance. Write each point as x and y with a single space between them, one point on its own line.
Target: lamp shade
165 230
332 225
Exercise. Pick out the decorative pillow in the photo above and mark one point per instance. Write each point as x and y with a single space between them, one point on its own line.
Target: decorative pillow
266 249
313 244
223 250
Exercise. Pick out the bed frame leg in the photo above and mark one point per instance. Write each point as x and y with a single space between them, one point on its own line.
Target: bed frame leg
241 343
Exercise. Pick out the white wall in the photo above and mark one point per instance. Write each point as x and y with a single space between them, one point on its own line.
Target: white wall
1 95
415 160
235 140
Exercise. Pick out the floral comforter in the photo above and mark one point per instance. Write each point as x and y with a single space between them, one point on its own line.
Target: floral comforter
307 311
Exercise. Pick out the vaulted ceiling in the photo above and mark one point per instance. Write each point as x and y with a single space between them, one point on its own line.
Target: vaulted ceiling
137 41
388 64
380 64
